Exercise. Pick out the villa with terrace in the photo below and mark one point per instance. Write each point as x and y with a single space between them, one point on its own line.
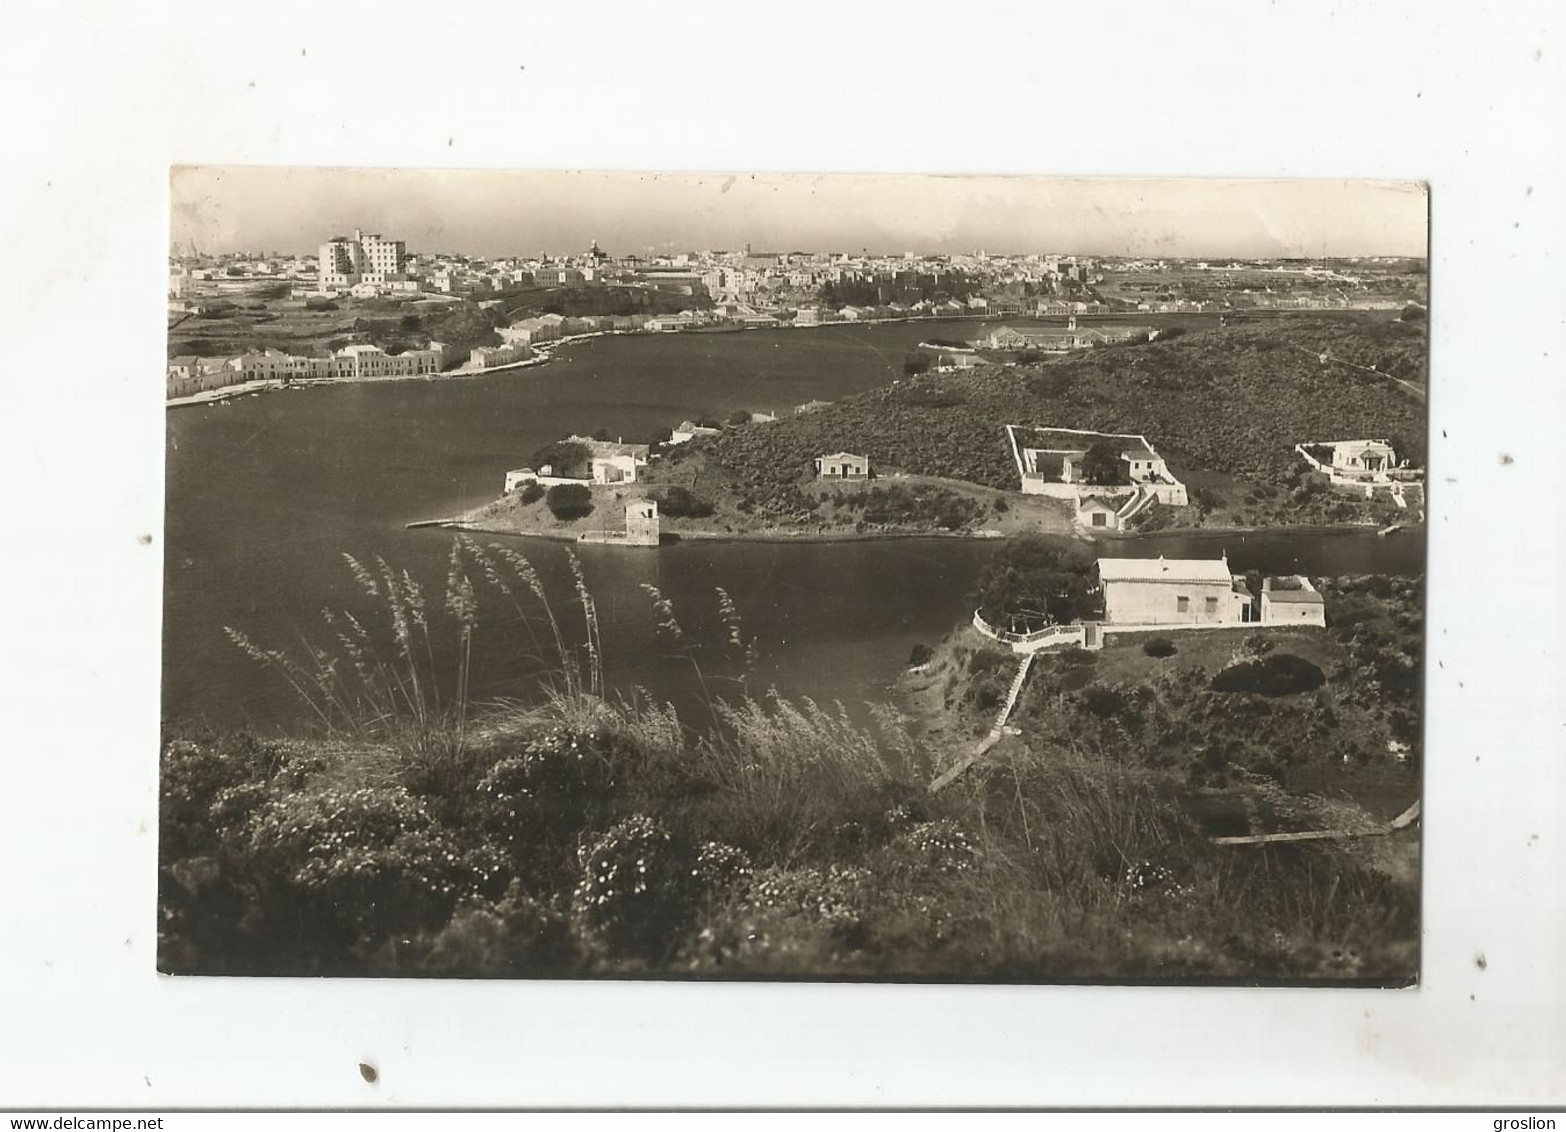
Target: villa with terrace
607 462
1054 462
1363 465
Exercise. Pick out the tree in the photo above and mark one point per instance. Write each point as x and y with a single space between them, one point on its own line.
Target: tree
568 459
916 363
680 502
1032 582
739 417
569 501
1101 463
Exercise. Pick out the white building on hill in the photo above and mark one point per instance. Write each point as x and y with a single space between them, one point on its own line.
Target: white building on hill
1172 591
366 257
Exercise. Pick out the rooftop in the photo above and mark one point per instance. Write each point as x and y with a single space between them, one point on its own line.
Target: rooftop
1297 597
604 449
1164 570
1068 439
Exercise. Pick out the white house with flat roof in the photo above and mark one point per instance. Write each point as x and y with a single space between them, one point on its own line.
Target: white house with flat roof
842 466
1363 455
687 431
1172 591
1292 601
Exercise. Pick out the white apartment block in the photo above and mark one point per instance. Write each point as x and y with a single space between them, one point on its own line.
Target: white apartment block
367 257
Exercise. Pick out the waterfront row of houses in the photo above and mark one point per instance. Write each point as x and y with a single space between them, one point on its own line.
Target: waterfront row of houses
1051 339
188 374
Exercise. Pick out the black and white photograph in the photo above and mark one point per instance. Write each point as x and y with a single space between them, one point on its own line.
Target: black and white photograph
747 576
838 558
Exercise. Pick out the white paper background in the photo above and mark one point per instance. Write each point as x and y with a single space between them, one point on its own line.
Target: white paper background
99 100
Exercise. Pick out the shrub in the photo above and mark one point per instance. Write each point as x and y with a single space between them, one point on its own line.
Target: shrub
1106 703
680 502
1032 581
542 793
1278 674
1102 464
569 459
370 858
1159 647
569 501
516 935
933 398
806 920
919 654
639 890
935 846
532 492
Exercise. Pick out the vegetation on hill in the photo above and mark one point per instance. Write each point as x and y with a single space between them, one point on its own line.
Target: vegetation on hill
569 501
419 833
1232 400
568 459
584 301
1032 582
1303 709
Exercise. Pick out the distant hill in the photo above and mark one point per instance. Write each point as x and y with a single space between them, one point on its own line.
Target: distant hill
1233 400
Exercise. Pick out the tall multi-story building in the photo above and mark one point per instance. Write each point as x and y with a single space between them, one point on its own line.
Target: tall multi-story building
364 258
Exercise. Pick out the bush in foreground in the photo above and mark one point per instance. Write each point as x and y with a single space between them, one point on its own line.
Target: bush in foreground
681 503
580 837
569 501
1278 674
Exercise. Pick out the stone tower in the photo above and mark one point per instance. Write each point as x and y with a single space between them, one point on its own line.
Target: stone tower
641 522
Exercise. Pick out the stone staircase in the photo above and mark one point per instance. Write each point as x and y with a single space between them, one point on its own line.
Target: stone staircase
995 732
1138 503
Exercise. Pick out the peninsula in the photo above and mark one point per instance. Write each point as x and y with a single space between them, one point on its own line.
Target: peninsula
1216 429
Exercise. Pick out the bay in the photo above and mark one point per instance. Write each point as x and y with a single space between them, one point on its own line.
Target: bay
265 495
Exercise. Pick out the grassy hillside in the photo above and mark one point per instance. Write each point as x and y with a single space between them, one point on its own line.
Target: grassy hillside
1231 400
419 834
594 300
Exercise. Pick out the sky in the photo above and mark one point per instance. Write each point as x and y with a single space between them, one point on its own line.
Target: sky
500 213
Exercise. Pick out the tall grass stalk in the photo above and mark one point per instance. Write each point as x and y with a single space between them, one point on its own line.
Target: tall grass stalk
355 690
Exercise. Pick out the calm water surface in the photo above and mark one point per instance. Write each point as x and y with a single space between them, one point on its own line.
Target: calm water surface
265 495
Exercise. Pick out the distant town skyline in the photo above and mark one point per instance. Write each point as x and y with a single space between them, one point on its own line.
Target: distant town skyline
496 214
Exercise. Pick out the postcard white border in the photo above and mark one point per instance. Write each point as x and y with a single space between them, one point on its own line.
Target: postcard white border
103 97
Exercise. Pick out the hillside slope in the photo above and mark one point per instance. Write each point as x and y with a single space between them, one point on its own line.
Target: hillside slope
1232 400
